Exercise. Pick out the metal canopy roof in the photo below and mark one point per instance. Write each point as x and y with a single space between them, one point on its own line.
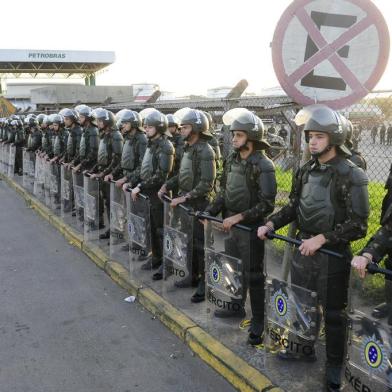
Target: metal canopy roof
18 63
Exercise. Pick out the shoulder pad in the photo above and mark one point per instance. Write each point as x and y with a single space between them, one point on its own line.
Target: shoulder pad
212 141
206 152
345 166
358 176
141 137
266 164
93 131
116 135
167 146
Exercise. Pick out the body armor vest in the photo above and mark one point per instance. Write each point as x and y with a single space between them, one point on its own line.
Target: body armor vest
103 153
186 175
128 154
147 169
237 194
316 211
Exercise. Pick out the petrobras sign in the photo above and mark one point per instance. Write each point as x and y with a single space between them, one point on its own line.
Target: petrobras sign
60 56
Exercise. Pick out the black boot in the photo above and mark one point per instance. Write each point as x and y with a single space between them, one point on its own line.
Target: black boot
105 235
200 294
158 275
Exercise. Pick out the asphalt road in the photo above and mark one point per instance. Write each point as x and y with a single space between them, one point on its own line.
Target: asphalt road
64 325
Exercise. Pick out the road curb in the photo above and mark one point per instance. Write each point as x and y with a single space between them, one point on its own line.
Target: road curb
234 369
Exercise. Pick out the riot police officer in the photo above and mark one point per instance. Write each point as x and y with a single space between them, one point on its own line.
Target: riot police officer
71 122
173 126
329 203
135 144
109 156
156 166
34 134
195 182
377 248
356 157
86 156
247 196
47 137
61 137
19 142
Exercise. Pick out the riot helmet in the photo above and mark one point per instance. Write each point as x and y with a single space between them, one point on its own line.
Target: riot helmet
158 120
106 116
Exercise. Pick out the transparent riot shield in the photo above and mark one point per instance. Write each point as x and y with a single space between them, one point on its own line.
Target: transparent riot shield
47 172
54 187
2 164
65 193
227 260
39 178
11 160
28 170
118 226
369 349
139 236
295 297
177 255
92 211
77 195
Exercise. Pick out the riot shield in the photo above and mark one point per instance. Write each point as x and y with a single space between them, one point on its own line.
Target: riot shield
91 210
47 172
39 177
77 194
28 170
2 158
11 160
65 193
295 297
227 258
177 254
369 350
118 226
139 237
54 187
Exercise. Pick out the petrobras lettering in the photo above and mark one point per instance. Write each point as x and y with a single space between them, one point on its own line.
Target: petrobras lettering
292 346
41 55
355 383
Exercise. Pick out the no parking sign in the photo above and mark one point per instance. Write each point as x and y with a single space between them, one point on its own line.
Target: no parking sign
330 51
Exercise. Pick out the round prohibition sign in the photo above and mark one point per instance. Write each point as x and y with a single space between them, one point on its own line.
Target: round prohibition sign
330 51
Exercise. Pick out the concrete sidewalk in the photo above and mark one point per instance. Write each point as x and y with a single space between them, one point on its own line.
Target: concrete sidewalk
64 325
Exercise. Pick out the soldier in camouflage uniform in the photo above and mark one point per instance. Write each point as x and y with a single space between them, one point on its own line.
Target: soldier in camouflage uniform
71 122
135 143
156 167
47 136
329 203
109 157
19 142
379 246
33 133
61 138
247 196
194 187
176 139
356 157
87 153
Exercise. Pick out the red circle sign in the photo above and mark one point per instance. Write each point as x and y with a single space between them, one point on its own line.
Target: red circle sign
330 51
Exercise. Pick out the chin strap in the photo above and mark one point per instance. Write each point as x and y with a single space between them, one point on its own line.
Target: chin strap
319 154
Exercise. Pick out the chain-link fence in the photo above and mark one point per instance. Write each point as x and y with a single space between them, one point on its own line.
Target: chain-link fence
372 137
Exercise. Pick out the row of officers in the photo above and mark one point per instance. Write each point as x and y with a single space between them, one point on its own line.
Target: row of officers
157 154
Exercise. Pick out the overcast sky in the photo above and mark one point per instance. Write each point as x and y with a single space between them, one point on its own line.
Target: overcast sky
184 46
